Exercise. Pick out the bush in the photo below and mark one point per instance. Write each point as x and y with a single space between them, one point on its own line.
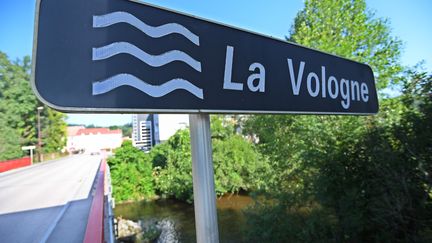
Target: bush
173 173
237 165
9 142
368 179
131 174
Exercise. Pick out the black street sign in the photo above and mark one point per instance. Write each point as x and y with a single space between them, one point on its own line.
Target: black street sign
125 56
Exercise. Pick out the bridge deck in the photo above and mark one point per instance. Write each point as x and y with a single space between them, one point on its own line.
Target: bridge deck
47 202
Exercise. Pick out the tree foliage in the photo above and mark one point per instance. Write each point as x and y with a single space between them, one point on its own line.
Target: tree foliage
348 29
9 142
131 173
18 109
17 101
347 179
54 131
173 174
237 165
126 129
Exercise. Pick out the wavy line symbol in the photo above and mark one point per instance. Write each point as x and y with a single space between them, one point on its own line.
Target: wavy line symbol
154 61
126 79
155 32
122 79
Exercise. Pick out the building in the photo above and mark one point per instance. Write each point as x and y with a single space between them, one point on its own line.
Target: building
92 140
151 129
71 146
145 131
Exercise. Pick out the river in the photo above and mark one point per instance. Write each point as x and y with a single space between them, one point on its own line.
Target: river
181 219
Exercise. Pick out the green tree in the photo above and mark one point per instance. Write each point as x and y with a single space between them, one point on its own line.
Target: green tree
9 142
321 188
18 109
174 177
131 173
237 165
126 129
17 101
348 29
416 123
379 187
54 131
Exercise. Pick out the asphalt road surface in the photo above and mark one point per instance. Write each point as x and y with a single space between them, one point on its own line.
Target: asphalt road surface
47 202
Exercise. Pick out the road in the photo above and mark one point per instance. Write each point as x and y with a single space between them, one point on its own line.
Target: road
47 202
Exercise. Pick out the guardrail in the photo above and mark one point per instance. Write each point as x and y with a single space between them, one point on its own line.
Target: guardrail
14 164
109 205
99 225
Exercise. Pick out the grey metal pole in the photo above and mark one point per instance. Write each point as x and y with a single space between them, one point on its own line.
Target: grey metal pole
203 179
31 156
39 109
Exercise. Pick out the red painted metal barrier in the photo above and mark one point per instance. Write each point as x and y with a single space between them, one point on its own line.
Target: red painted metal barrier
94 230
14 163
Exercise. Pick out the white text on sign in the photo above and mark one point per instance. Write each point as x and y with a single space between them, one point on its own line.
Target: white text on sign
329 88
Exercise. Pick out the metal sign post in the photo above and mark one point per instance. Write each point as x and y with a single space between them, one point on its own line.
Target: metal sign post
203 179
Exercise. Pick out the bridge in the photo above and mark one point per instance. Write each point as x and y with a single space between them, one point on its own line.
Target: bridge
64 200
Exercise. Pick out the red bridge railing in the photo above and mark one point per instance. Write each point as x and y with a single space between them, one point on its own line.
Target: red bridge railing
95 225
14 163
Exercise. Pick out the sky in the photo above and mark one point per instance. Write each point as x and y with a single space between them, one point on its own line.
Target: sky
410 21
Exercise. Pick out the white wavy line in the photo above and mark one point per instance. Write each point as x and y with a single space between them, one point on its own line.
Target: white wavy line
122 79
155 32
154 61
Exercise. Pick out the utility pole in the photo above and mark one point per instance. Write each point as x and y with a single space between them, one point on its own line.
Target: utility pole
39 109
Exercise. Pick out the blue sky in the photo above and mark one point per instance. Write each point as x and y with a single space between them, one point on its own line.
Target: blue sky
410 21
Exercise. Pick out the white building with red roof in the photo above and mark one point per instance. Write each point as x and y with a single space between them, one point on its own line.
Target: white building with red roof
92 140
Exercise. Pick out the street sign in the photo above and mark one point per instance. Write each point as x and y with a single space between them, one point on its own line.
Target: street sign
125 56
28 147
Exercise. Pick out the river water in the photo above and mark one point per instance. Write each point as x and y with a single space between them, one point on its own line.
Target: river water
179 219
